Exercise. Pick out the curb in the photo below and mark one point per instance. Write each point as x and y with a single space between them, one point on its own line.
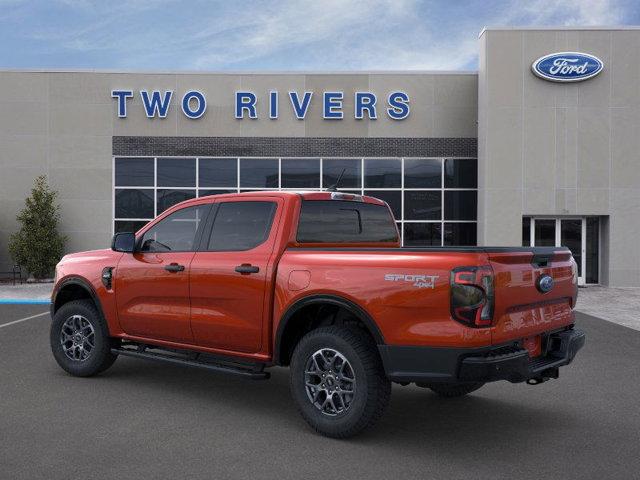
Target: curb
24 301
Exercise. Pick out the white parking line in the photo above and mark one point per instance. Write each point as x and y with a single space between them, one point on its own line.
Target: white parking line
23 319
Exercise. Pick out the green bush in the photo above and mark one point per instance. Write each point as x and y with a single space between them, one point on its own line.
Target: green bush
38 246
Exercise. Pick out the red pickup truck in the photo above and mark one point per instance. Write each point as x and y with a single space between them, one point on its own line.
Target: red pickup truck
316 281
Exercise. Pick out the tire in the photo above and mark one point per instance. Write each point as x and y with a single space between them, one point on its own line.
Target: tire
364 390
452 390
91 351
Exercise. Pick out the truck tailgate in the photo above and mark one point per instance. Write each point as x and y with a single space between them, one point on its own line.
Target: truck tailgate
522 309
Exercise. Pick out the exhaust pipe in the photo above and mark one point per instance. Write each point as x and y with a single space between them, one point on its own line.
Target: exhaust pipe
544 376
536 380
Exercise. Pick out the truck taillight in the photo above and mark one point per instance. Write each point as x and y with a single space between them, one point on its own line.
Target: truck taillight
472 295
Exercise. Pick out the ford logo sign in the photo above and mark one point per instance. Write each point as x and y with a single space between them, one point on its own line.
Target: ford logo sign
567 66
544 283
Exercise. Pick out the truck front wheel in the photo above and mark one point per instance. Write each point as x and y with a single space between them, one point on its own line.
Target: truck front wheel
80 340
338 381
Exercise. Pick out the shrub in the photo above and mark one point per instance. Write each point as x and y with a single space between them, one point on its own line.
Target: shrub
38 246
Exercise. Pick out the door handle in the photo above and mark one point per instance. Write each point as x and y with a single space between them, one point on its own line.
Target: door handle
174 267
247 268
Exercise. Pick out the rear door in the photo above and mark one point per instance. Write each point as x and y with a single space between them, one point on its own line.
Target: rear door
522 308
229 275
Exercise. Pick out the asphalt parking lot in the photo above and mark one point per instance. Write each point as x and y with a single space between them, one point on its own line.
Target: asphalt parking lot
150 420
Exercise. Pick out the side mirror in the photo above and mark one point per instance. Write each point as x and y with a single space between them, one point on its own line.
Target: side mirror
124 242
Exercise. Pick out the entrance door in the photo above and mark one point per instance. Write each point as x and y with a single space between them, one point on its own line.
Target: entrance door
580 235
572 237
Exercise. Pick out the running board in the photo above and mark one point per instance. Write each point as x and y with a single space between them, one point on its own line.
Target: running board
253 371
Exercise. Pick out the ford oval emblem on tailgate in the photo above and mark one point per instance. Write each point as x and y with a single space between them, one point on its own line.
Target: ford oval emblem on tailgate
567 66
544 283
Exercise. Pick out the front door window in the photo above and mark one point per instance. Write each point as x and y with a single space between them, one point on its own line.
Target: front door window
176 232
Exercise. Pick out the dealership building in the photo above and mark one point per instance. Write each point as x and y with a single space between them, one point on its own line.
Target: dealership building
540 146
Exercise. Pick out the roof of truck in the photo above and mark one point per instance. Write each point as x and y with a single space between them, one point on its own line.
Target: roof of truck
305 194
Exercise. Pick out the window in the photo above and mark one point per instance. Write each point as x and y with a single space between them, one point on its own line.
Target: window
168 198
381 173
217 172
300 173
335 221
134 203
241 225
460 205
428 196
422 234
422 173
423 205
129 225
460 234
392 197
175 233
592 249
259 172
204 193
332 169
526 231
545 233
176 172
460 173
138 172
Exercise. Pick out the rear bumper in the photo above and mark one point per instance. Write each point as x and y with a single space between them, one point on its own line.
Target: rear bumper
507 362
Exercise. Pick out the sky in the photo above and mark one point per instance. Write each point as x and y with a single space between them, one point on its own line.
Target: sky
277 35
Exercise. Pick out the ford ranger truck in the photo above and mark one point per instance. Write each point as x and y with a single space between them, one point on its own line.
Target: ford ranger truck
318 282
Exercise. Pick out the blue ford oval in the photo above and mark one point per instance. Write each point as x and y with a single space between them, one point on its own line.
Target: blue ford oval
567 66
545 283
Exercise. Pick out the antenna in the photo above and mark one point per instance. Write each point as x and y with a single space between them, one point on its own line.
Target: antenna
334 187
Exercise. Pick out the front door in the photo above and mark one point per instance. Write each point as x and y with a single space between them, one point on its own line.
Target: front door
152 285
229 274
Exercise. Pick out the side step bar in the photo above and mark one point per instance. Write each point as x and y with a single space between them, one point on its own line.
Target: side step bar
254 371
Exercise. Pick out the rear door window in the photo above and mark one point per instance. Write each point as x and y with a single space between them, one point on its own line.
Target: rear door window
337 221
241 225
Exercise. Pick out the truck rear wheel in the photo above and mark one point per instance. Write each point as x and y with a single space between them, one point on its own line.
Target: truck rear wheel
338 382
80 339
451 390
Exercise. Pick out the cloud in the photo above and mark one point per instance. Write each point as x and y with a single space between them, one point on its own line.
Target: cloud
569 12
279 34
385 35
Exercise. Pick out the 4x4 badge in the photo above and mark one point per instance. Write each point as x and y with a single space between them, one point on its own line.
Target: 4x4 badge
418 281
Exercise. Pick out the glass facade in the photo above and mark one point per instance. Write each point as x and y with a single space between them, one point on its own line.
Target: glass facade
434 200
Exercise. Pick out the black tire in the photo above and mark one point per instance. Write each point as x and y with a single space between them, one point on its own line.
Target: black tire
452 390
99 358
372 388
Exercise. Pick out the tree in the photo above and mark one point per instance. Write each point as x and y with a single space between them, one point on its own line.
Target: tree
38 246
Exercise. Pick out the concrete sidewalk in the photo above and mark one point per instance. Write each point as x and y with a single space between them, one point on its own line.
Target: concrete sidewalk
617 305
26 293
